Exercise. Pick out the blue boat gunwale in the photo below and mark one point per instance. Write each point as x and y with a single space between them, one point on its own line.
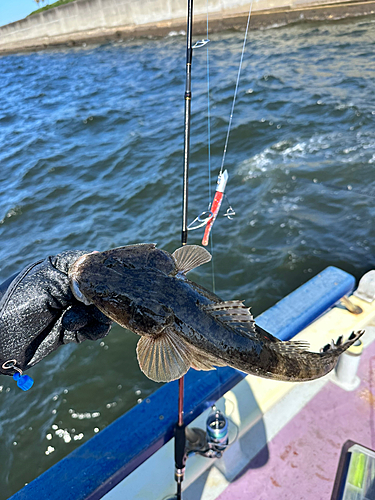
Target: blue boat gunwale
98 465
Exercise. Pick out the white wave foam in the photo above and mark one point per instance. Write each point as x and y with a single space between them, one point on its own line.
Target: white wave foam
176 33
288 154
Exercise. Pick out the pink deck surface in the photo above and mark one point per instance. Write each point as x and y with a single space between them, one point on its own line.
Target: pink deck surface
303 457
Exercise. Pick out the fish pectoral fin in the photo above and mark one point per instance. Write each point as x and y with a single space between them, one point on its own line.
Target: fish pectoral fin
203 361
234 313
189 257
163 357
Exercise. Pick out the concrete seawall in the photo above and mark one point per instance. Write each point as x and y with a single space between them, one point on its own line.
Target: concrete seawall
94 20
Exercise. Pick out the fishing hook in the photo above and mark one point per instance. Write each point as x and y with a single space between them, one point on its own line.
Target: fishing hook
203 218
200 43
230 213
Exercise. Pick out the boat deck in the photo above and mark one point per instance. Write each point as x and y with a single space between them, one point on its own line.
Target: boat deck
300 462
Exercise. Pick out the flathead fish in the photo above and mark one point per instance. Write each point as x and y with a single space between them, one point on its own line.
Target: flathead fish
183 325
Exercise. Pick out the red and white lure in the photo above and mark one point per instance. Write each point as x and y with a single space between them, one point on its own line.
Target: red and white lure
208 218
216 204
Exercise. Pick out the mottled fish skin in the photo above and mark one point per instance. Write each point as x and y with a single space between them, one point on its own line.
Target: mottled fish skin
145 290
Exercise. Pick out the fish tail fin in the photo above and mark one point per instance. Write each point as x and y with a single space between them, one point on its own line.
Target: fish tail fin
339 347
330 353
296 364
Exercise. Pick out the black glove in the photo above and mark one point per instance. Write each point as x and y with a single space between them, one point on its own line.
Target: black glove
38 313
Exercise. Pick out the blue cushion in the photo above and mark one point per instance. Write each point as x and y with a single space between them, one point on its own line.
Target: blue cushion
300 308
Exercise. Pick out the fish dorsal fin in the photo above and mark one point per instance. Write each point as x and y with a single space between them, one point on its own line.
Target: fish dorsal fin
164 357
234 313
189 257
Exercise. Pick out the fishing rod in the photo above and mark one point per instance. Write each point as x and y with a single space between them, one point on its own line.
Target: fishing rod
189 57
180 438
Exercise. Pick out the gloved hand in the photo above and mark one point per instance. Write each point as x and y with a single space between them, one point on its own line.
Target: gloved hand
38 313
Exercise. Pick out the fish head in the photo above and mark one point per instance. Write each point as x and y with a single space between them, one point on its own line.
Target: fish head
116 282
80 273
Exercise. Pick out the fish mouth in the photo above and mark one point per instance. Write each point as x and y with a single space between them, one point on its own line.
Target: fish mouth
74 285
77 293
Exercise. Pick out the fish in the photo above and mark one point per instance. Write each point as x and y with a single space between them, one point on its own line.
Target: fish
182 325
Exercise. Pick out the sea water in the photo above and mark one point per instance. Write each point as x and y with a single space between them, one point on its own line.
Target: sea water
92 156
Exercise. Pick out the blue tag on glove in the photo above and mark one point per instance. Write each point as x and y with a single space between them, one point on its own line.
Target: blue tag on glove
24 382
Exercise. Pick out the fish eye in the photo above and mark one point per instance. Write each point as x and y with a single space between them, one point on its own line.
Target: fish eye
78 294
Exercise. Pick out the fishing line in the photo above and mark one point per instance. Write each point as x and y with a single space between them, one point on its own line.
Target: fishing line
208 116
208 217
209 152
213 265
236 89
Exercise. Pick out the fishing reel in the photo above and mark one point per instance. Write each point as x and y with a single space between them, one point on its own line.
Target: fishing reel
212 442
